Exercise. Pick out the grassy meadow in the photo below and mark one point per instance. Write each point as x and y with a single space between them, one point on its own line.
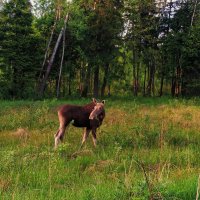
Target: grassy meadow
148 148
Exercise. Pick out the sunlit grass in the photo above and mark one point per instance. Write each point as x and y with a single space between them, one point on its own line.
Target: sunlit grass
146 148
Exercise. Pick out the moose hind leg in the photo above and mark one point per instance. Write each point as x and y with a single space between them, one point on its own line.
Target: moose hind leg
59 135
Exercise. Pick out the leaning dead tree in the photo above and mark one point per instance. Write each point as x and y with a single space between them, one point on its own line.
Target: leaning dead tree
48 46
63 53
194 12
52 58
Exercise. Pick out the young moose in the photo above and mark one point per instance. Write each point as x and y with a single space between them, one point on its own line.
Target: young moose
89 116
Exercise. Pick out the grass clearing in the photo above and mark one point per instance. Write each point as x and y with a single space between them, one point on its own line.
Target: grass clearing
147 148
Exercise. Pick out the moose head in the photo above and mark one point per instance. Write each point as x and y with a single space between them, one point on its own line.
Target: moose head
97 111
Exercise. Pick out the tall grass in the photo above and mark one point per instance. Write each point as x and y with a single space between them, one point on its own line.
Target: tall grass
147 149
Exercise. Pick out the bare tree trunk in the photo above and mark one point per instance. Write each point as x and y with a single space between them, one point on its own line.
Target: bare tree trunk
149 80
86 83
69 85
109 92
193 14
178 77
105 79
161 85
134 72
63 53
91 82
137 76
80 77
96 82
153 79
43 84
144 85
136 66
63 86
150 86
173 84
153 85
47 49
178 81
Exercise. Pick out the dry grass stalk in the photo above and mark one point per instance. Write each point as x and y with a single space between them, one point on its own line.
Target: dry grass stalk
198 187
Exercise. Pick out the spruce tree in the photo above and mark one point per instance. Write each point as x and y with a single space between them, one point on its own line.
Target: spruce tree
18 48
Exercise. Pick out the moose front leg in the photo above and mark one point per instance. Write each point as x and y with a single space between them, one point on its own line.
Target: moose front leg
85 136
94 137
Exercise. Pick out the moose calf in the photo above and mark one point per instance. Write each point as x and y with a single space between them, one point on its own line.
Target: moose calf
89 116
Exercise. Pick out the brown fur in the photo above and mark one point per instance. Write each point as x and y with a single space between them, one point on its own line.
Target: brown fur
98 109
80 117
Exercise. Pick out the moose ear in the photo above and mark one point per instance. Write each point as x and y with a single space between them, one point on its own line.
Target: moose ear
94 100
103 102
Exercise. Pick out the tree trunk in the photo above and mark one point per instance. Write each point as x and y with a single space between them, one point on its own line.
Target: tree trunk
178 77
173 86
137 76
193 13
105 79
43 84
96 82
47 49
80 74
63 86
178 81
109 92
63 53
69 87
144 85
86 82
153 81
161 85
134 72
150 86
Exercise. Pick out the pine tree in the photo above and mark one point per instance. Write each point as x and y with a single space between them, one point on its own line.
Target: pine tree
18 48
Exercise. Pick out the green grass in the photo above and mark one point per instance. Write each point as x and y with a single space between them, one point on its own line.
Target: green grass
147 147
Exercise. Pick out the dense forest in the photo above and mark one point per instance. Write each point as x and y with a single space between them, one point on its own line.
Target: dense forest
59 48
